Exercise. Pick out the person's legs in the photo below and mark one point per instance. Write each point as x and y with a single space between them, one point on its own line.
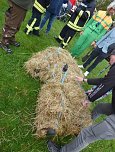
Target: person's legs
83 42
102 108
46 17
68 36
51 20
99 58
92 56
37 23
101 131
33 23
14 17
63 32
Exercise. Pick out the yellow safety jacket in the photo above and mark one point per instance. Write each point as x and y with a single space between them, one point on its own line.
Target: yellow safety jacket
104 19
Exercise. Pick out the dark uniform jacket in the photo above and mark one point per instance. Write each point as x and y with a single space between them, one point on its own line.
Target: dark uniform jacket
79 18
103 85
91 5
41 5
81 15
25 4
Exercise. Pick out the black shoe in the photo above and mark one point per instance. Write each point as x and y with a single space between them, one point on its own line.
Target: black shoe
6 48
36 32
14 43
57 39
51 132
26 32
52 147
62 46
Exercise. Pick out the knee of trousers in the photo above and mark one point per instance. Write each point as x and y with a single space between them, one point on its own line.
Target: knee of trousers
9 32
87 135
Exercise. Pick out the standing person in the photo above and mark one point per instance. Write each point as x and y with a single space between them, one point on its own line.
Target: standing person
104 130
38 9
101 51
76 22
94 30
13 19
51 12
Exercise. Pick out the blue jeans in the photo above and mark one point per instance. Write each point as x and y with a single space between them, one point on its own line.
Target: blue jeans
51 18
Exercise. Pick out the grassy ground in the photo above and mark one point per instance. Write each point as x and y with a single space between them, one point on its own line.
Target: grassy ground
18 93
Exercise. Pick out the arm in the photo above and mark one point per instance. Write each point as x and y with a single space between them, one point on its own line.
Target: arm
107 84
103 32
104 37
88 23
96 81
90 81
86 15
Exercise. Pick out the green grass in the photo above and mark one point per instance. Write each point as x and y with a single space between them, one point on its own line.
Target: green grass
18 94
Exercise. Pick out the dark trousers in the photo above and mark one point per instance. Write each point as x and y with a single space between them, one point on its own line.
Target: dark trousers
96 54
13 19
104 130
66 35
102 108
34 22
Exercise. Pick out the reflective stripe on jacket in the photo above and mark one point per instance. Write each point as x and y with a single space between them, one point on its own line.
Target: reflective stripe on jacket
103 86
78 21
41 5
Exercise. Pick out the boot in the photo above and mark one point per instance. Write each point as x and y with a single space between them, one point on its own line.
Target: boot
62 46
6 48
26 32
57 39
36 32
15 43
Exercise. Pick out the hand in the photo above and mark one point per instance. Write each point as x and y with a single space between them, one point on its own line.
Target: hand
74 7
94 44
85 103
80 79
81 33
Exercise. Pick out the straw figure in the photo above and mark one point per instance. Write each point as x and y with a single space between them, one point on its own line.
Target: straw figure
59 101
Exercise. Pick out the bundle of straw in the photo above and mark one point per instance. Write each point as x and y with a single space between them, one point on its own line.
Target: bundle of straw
59 102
